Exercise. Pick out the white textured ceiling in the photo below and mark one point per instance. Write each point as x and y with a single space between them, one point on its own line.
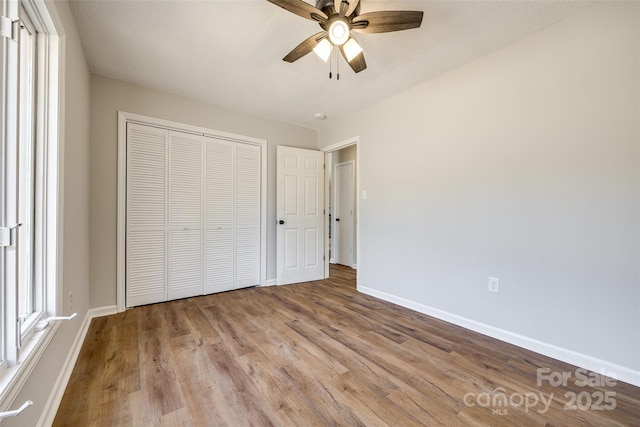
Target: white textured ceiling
229 52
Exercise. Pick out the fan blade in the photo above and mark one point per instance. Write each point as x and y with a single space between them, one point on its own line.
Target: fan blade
305 47
387 21
301 8
357 64
353 8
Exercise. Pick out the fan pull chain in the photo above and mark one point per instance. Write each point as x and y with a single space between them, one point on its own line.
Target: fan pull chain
331 65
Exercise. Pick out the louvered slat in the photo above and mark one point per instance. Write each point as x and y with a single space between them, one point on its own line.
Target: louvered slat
219 167
145 267
219 182
185 215
219 260
185 179
146 215
247 257
247 210
185 271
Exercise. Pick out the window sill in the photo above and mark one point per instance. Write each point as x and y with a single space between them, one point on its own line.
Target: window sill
13 377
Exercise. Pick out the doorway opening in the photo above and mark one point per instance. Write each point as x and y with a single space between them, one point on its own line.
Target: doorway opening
342 206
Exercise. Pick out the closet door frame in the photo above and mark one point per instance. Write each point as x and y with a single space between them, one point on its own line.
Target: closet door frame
123 119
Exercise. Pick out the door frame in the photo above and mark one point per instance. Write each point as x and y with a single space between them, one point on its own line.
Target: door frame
123 119
327 150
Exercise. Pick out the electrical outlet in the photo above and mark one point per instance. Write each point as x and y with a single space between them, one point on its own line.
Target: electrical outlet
494 285
70 302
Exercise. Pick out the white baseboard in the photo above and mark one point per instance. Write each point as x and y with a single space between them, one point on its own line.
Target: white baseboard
270 282
593 364
107 310
51 407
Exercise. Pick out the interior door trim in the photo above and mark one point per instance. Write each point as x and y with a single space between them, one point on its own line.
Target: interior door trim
329 149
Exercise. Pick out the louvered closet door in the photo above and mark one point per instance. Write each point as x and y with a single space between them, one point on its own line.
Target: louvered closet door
247 215
218 222
146 215
185 215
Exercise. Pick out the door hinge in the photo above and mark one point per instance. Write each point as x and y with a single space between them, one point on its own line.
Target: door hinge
8 28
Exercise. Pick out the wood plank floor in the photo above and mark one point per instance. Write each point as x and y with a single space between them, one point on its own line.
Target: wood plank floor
316 354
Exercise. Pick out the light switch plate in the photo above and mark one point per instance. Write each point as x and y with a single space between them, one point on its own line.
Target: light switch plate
494 285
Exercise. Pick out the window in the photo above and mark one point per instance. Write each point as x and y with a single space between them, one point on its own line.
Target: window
29 288
29 198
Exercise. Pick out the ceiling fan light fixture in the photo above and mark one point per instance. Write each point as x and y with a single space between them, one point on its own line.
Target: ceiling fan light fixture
351 49
323 49
338 18
338 32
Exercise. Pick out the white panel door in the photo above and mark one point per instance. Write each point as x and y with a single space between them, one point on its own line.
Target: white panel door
146 228
344 220
300 231
247 215
218 222
185 215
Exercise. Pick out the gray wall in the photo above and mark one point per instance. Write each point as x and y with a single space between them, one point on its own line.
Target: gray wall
75 220
345 154
107 97
523 165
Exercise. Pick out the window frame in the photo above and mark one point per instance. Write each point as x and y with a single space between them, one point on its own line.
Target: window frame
18 361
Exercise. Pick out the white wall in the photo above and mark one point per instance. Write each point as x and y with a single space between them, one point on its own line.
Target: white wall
523 165
75 237
107 97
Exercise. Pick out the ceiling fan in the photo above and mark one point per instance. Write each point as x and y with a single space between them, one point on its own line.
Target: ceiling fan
338 18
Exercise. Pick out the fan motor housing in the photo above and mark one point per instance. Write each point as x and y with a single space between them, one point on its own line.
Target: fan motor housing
322 4
328 7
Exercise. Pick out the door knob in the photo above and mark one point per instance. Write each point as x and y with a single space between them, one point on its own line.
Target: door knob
337 219
281 222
